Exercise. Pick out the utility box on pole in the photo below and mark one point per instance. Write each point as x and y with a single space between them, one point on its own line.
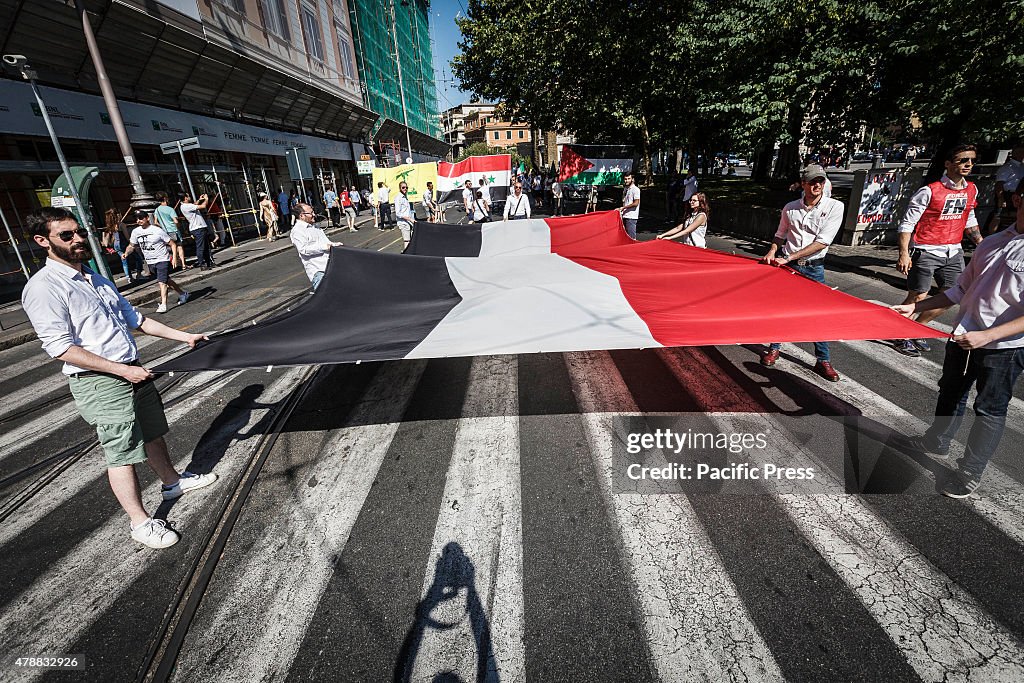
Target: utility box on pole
62 196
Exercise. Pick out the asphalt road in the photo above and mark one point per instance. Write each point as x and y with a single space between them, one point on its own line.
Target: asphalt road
468 518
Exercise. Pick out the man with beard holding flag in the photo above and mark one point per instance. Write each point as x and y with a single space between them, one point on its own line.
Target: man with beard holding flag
83 320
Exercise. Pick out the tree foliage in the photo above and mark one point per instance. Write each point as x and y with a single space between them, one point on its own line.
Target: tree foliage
744 74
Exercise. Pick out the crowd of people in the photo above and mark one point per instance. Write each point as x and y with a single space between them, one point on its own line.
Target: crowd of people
83 320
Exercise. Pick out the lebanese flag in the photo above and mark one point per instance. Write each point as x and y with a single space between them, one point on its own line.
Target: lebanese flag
520 237
374 306
451 178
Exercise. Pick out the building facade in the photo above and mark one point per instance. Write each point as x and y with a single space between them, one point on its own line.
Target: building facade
249 78
497 133
453 124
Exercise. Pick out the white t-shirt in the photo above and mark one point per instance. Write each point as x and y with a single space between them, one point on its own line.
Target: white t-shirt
152 240
1010 174
632 194
697 238
195 219
485 190
479 206
467 197
383 195
556 190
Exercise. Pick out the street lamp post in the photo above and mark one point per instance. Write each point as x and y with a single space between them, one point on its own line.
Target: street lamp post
20 63
140 198
401 86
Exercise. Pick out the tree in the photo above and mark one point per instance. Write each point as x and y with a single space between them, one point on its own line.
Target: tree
480 149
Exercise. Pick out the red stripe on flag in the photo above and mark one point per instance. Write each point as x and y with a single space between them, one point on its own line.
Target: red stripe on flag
491 163
697 297
571 164
575 234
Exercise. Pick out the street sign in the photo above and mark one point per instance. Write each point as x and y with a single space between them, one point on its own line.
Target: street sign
176 146
59 202
299 167
365 167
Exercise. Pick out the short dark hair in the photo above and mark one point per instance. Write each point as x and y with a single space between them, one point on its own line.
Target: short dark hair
380 184
39 222
960 149
162 197
139 214
182 196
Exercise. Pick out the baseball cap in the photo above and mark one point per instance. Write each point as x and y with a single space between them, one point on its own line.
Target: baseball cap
813 171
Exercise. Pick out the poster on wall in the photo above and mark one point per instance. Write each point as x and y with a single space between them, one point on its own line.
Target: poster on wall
879 197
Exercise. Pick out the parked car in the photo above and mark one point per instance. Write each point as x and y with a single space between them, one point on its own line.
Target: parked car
862 155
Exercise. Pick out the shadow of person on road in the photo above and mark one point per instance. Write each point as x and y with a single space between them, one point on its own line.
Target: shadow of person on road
225 430
449 602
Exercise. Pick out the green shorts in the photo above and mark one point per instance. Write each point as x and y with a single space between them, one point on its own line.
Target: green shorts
126 416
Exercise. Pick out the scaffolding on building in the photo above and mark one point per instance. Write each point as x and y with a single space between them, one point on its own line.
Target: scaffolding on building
378 65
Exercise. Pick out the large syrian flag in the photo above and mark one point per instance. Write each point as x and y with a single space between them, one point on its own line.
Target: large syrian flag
451 178
594 164
520 237
374 306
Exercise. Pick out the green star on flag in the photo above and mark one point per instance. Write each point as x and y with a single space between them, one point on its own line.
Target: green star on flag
490 180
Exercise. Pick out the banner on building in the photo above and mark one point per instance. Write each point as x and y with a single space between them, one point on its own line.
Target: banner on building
415 175
494 168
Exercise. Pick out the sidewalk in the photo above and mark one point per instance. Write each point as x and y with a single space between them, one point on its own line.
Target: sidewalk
15 328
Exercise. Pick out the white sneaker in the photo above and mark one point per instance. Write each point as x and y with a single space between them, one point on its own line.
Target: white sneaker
182 298
188 482
155 534
162 308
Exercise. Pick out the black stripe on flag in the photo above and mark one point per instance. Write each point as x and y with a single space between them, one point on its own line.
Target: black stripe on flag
351 317
443 239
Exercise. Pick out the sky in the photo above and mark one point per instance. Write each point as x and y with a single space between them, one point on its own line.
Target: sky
446 45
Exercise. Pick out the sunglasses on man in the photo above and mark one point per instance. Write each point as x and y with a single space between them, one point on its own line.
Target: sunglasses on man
66 235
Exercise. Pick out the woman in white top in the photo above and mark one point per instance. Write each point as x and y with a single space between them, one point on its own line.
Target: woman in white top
481 209
693 230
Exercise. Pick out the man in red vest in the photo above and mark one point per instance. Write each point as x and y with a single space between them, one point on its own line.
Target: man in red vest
937 218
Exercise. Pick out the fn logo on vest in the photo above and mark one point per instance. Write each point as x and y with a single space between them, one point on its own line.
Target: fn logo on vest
953 207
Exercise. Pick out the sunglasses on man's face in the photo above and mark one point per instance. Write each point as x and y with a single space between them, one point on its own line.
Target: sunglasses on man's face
965 161
66 235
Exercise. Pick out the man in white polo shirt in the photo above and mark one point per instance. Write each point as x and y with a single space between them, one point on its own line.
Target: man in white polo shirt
312 243
987 350
806 229
83 320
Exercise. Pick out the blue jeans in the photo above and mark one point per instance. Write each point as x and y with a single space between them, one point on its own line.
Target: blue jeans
995 371
317 277
814 272
630 225
202 238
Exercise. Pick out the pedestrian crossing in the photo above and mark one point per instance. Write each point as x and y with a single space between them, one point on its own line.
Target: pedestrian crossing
471 589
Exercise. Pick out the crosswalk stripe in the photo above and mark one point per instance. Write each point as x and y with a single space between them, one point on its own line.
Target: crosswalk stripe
932 620
474 582
1003 502
258 622
673 563
925 372
87 580
86 472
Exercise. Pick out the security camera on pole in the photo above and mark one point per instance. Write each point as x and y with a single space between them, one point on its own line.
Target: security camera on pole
19 63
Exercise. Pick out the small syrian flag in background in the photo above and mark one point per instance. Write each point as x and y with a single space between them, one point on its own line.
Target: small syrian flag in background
451 178
594 164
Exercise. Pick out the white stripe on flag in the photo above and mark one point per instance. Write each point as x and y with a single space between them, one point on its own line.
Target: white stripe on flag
515 238
532 304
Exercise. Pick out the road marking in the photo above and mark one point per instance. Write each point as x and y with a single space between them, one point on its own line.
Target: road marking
62 603
938 626
1002 503
926 372
394 241
257 623
695 622
474 582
